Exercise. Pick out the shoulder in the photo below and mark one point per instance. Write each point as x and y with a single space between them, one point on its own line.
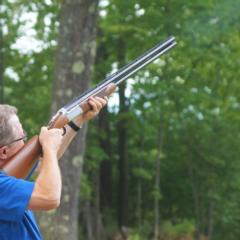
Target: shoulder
11 183
4 176
14 198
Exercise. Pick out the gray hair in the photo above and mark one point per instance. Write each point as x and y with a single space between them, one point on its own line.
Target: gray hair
6 130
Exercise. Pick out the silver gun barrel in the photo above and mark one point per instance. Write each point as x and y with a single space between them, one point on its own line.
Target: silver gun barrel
125 72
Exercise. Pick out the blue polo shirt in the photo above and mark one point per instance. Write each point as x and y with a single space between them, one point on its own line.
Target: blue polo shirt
16 221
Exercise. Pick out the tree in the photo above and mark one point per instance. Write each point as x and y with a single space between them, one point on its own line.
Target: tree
1 57
75 57
194 88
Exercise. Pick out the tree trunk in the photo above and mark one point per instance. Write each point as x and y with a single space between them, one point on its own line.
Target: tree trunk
123 161
196 200
106 164
91 218
140 185
210 218
97 214
89 221
104 133
122 146
157 182
75 56
139 202
1 61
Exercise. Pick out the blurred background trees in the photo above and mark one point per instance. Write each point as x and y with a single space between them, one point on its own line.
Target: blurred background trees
162 160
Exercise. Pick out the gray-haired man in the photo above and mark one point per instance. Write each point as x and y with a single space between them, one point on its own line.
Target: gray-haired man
17 196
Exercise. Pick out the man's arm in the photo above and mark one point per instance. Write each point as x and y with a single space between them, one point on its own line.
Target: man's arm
47 191
96 104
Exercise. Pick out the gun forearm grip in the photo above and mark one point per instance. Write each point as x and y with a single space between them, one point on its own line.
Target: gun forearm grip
59 121
107 91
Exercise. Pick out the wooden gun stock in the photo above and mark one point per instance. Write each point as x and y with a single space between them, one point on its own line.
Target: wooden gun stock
22 162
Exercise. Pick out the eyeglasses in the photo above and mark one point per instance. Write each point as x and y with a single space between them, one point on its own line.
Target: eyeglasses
24 138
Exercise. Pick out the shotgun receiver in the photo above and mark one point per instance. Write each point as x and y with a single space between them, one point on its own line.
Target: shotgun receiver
23 161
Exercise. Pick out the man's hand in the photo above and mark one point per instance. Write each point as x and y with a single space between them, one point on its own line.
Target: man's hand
96 104
51 139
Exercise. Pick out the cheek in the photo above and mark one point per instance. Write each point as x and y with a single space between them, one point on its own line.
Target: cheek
19 145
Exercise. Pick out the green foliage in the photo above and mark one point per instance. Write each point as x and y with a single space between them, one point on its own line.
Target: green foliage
29 88
95 155
190 96
183 228
135 236
85 187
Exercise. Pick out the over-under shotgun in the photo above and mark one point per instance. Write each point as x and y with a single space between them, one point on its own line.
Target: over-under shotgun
22 162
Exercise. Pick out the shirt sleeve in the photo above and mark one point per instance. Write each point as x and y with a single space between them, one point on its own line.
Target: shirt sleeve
15 195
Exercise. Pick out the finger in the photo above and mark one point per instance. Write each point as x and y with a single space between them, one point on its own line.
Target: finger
90 103
43 129
93 105
58 131
98 103
102 101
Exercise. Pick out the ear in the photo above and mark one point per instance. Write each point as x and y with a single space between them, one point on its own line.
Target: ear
3 152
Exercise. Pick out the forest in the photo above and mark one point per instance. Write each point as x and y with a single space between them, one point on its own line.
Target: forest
160 162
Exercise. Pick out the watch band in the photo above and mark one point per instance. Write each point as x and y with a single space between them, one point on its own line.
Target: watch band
74 126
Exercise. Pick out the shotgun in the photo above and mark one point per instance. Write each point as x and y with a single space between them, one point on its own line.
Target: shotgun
22 162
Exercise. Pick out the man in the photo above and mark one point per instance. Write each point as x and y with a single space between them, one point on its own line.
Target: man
17 196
